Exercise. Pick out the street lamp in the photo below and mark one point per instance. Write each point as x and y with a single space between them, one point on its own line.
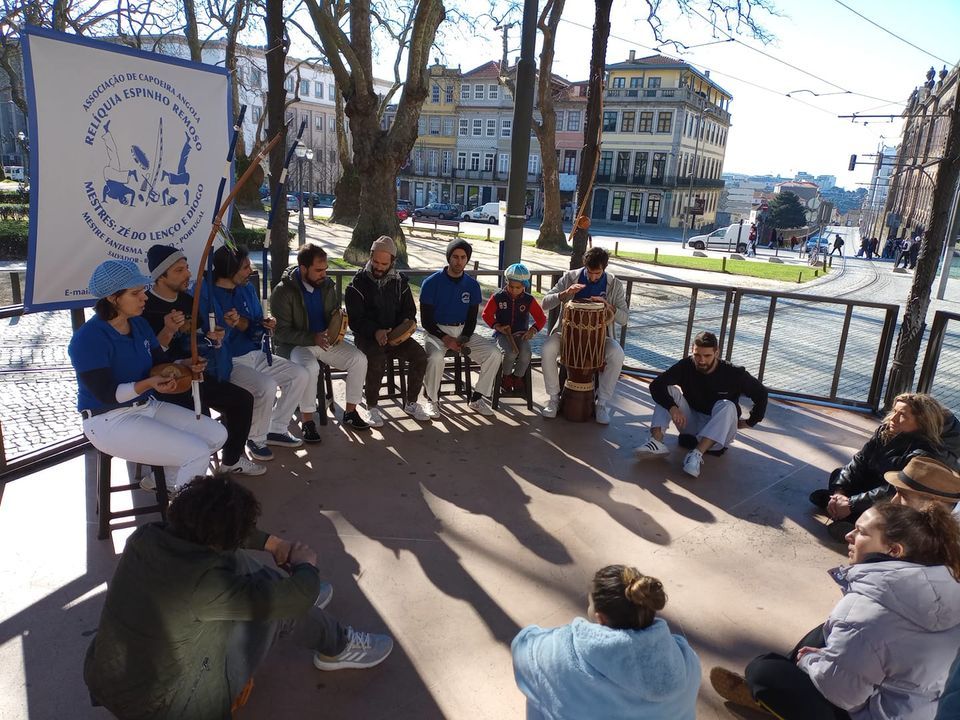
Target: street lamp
302 152
693 169
25 146
310 182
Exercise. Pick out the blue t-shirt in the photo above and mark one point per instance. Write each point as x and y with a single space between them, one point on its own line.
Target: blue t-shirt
245 301
450 297
98 345
591 289
313 300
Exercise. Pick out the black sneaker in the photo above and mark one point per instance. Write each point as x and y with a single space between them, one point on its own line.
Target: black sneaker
820 498
309 432
353 421
687 441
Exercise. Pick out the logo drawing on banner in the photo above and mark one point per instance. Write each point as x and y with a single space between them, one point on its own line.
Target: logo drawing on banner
144 131
465 298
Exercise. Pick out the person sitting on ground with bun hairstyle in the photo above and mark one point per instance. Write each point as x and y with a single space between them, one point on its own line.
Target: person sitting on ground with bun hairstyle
626 664
885 651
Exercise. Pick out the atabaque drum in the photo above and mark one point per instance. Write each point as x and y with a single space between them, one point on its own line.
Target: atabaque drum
583 334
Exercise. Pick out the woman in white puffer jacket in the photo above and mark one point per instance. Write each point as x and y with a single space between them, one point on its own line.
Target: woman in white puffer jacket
885 651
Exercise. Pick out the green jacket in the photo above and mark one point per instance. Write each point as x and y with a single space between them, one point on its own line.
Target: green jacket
160 652
288 307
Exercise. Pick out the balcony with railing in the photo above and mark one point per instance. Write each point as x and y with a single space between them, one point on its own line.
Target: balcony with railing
684 94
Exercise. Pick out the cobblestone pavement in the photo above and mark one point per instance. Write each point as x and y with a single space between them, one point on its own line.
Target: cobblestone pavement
38 387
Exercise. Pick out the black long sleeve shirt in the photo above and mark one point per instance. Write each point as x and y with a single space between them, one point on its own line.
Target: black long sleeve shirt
702 391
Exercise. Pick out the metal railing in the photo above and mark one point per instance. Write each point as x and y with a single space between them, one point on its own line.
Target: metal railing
936 364
796 344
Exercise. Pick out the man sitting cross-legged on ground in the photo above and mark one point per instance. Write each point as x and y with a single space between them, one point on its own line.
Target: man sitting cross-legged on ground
378 301
699 394
449 306
190 612
247 352
168 310
590 283
303 302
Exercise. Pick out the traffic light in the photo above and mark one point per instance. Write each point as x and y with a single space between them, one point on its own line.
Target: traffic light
853 163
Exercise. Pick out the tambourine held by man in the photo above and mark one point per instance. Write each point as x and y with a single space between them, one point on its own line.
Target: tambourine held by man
174 371
337 327
401 332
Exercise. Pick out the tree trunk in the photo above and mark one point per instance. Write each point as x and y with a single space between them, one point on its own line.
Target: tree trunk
191 31
591 128
346 208
276 108
249 196
931 248
378 200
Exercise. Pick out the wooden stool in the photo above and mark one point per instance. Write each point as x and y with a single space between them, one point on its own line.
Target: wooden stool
460 375
527 390
324 393
396 385
105 489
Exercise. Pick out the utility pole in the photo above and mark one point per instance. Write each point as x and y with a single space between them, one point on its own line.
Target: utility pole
941 221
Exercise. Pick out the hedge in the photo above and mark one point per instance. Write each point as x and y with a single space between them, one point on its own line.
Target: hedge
13 239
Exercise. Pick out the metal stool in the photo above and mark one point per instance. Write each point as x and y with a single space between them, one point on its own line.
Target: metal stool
105 489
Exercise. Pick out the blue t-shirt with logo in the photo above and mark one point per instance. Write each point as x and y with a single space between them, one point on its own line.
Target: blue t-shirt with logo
97 345
591 289
450 297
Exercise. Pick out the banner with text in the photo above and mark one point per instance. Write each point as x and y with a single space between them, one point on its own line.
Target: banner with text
127 151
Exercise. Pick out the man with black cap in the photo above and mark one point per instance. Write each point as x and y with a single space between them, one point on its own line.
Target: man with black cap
168 310
378 300
449 306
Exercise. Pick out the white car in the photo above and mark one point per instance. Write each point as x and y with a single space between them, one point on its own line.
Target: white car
734 237
488 212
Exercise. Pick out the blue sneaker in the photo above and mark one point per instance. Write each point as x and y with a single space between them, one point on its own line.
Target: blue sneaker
258 452
284 439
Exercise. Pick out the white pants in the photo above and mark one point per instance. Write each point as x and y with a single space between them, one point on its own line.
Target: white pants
720 425
608 378
482 351
253 374
158 433
343 357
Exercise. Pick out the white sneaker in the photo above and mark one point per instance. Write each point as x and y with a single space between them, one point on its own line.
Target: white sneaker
376 417
244 467
550 409
482 406
363 650
603 414
416 411
431 409
650 448
692 463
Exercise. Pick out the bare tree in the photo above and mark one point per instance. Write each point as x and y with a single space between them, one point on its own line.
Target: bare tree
278 44
377 153
346 209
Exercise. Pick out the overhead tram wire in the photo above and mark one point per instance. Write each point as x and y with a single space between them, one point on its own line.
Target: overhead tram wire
890 32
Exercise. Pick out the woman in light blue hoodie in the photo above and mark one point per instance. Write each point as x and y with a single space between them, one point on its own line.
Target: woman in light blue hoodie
627 664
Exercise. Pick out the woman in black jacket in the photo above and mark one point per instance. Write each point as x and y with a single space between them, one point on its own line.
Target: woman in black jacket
917 425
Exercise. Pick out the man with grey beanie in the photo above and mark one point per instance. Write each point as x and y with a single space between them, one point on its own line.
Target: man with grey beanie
379 303
449 305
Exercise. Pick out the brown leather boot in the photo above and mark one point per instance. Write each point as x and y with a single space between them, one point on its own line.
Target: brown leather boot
733 687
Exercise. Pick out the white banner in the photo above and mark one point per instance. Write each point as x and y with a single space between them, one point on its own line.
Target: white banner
127 151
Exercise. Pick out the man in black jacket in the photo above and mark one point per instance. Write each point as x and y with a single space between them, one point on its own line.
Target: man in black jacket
378 299
700 395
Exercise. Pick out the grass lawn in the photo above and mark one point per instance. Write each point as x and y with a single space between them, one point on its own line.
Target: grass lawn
750 268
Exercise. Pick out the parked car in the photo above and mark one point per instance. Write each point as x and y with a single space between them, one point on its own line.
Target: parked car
488 212
292 203
406 205
813 241
402 213
732 237
444 211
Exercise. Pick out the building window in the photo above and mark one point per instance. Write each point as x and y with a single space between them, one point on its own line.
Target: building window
288 84
331 124
475 161
304 88
418 162
610 121
636 82
257 113
506 128
491 128
255 77
434 125
503 164
478 92
569 161
318 122
639 168
573 121
606 166
646 122
331 91
434 159
659 167
448 93
448 126
477 127
333 156
435 94
560 119
623 166
488 162
461 161
627 121
464 127
619 82
447 159
421 125
533 166
318 90
664 122
493 92
465 91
